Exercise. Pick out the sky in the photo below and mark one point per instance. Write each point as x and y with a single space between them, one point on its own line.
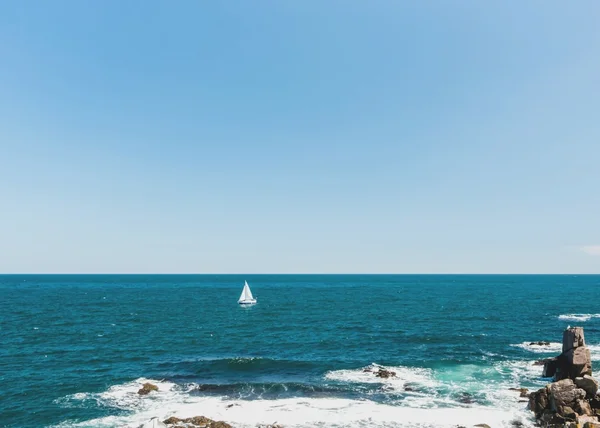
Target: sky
299 136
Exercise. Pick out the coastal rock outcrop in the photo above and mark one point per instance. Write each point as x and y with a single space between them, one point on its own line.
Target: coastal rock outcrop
196 421
569 401
147 388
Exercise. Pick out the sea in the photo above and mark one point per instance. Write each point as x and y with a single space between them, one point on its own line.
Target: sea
75 349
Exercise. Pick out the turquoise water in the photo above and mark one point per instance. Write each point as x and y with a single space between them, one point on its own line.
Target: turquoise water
75 348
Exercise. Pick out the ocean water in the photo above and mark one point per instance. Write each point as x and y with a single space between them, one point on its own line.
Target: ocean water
74 349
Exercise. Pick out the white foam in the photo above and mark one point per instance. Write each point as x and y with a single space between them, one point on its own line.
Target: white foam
428 410
556 348
300 413
552 348
578 317
404 376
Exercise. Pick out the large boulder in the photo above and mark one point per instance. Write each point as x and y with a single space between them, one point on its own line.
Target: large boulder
573 338
538 402
576 362
588 384
564 394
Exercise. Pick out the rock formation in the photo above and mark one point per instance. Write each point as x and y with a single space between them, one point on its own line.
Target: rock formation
196 421
147 388
569 401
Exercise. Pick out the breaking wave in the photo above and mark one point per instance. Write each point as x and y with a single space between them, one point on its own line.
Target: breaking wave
578 317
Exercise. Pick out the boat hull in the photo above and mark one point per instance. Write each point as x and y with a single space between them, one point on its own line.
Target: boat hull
247 302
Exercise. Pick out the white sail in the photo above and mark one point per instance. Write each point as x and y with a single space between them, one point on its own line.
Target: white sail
247 291
246 296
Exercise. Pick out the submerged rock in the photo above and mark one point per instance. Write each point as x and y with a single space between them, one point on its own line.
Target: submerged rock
147 388
539 343
384 373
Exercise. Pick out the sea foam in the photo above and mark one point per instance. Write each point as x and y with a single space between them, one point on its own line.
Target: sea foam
417 410
578 317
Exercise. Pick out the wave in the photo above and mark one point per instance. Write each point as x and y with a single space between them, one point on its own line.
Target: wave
550 348
578 317
555 348
406 377
290 412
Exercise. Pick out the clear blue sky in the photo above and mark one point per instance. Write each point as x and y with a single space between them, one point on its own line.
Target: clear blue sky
300 136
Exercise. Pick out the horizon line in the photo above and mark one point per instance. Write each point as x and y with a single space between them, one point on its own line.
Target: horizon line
294 274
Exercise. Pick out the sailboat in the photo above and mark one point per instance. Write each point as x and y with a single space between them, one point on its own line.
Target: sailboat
246 297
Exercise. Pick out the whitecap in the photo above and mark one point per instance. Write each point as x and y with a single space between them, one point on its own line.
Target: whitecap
578 317
551 348
555 348
404 375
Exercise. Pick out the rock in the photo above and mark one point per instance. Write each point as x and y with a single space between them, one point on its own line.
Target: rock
588 384
147 388
551 419
595 402
583 420
538 402
483 426
383 373
573 338
568 413
196 421
220 424
564 394
540 343
199 420
591 425
583 408
550 367
573 363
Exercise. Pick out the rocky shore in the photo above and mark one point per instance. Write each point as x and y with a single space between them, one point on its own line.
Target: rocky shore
570 400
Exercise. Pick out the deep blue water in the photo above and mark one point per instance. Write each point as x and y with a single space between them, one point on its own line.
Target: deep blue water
66 340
